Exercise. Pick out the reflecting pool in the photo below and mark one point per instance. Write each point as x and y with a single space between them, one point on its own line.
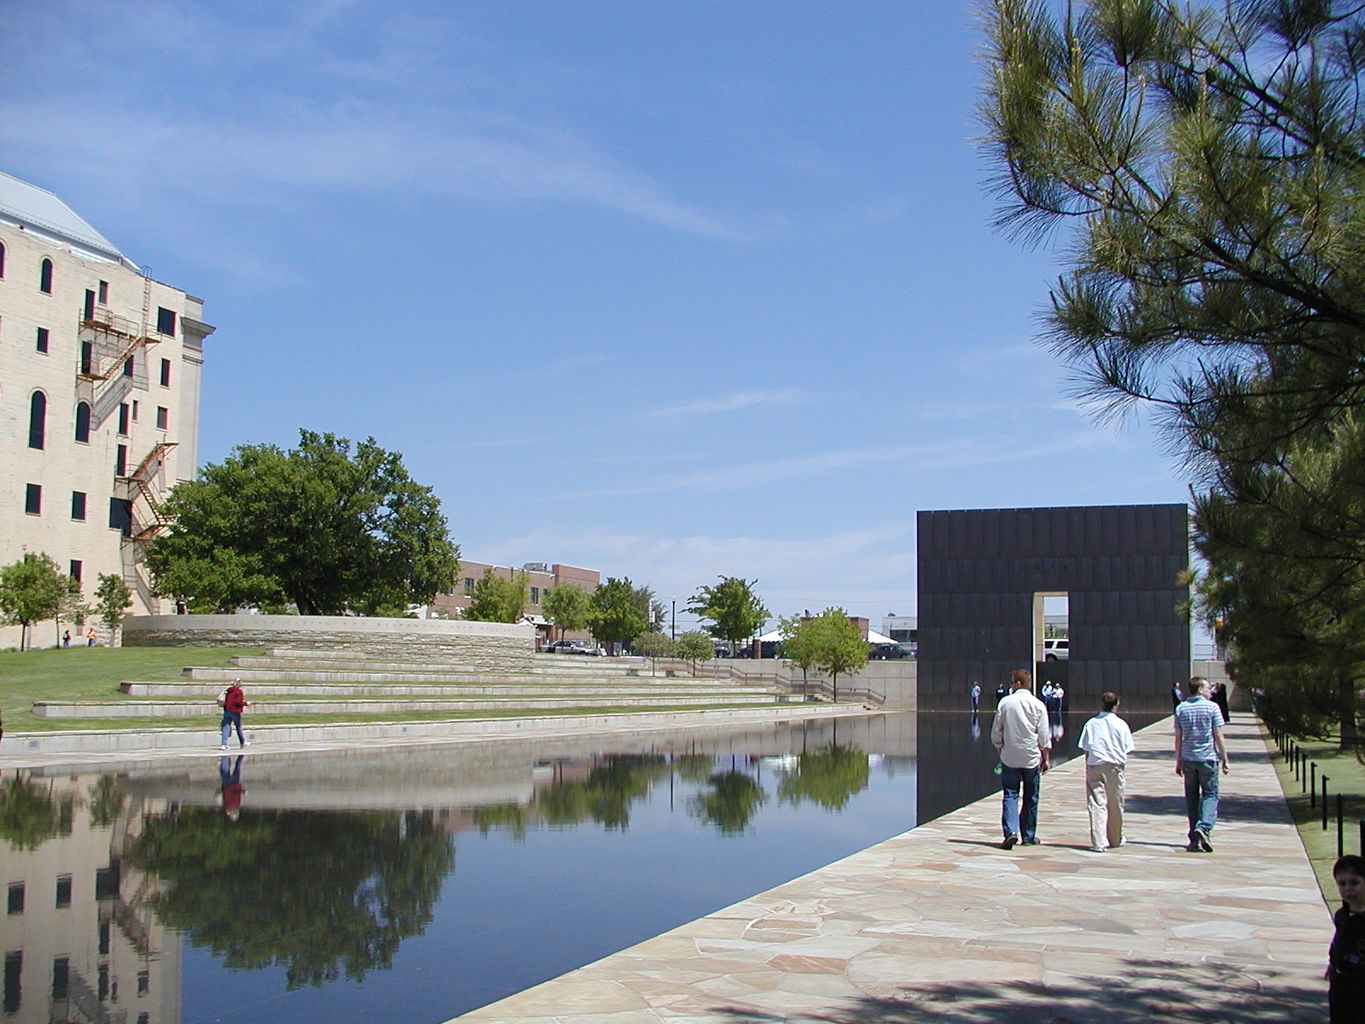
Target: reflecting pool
411 884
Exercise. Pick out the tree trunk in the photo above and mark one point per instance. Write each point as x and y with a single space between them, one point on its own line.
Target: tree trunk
1346 710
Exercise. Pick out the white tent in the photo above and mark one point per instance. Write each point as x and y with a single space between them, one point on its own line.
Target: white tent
873 637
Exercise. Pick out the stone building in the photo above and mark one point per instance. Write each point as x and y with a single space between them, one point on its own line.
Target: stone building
99 397
540 577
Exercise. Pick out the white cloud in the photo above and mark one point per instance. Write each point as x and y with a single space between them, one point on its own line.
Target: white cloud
727 403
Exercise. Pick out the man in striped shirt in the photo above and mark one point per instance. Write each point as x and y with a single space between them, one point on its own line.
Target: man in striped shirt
1199 754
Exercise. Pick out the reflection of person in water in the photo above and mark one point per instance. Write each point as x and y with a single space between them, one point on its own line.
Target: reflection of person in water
230 789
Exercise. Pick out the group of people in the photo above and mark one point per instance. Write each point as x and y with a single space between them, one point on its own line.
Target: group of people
1022 738
1023 741
89 638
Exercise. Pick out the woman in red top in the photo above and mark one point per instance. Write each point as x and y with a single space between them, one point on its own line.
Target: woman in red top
234 702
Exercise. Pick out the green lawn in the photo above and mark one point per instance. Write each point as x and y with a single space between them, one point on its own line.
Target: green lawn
94 673
1347 777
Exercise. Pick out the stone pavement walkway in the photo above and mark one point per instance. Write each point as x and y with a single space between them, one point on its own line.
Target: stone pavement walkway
940 924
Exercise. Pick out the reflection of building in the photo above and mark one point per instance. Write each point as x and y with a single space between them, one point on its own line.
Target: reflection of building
78 938
99 383
540 577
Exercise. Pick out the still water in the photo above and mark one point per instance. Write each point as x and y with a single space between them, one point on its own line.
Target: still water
409 885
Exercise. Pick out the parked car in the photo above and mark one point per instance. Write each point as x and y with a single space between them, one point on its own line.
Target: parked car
567 647
1057 649
890 652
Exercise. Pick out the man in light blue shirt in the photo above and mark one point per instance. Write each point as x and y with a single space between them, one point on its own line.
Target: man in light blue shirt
1199 753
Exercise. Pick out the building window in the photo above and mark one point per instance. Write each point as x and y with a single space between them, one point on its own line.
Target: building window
134 410
74 569
128 367
165 321
107 882
121 515
123 419
45 276
42 339
61 972
535 595
144 982
78 507
87 357
15 904
2 259
14 969
63 891
144 1018
33 499
37 420
104 293
102 983
165 373
121 460
83 422
106 934
163 418
469 586
89 304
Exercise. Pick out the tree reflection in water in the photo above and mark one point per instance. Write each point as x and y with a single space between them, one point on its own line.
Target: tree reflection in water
729 803
319 893
31 814
606 795
827 776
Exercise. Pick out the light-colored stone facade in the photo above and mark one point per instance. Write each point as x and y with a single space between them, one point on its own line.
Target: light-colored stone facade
81 328
497 645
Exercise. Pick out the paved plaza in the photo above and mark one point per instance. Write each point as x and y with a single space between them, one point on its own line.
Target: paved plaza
940 924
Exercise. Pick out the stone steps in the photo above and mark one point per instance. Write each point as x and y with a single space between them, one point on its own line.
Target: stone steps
532 664
641 688
417 674
331 706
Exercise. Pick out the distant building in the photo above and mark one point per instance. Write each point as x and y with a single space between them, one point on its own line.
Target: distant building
99 396
540 577
902 629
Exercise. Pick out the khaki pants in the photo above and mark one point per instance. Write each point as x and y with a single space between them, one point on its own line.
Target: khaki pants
1104 801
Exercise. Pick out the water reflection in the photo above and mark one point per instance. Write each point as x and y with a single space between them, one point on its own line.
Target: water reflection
173 892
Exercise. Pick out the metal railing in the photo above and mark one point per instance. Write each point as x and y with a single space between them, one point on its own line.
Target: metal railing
1315 785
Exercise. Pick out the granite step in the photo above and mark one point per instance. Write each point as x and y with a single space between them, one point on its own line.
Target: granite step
641 688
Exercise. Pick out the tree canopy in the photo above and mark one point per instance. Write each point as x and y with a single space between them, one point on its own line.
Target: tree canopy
694 646
32 590
112 599
566 606
497 599
1209 159
731 608
330 526
616 614
830 642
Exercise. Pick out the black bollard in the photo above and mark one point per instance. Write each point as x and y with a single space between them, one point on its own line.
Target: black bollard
1324 803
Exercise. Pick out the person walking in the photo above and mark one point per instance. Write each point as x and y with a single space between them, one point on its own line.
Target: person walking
1023 741
975 694
1199 754
1107 742
234 703
1219 695
1176 696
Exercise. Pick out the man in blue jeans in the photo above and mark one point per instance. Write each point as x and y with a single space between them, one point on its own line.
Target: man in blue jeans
1023 741
1199 753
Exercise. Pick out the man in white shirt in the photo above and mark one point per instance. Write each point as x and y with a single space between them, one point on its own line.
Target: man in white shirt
1023 741
1107 742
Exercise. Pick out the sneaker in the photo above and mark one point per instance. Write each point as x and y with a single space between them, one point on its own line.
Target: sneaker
246 743
1202 838
1098 849
1031 842
1194 848
1009 842
222 746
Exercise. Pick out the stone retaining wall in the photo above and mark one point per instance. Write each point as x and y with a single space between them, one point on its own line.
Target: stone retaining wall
478 644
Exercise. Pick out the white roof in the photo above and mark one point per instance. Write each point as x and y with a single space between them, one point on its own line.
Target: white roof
38 210
873 637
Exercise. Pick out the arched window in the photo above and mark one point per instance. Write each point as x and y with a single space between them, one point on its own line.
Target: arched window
45 276
83 422
37 420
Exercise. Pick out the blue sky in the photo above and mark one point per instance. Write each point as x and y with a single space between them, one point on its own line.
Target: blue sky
668 289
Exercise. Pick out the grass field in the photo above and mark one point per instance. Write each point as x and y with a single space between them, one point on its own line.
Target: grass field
1346 776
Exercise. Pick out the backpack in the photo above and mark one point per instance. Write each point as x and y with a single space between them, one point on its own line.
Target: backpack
222 697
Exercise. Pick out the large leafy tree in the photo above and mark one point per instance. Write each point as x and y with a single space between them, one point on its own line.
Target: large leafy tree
567 606
731 609
331 526
1210 160
497 599
616 614
31 590
833 644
